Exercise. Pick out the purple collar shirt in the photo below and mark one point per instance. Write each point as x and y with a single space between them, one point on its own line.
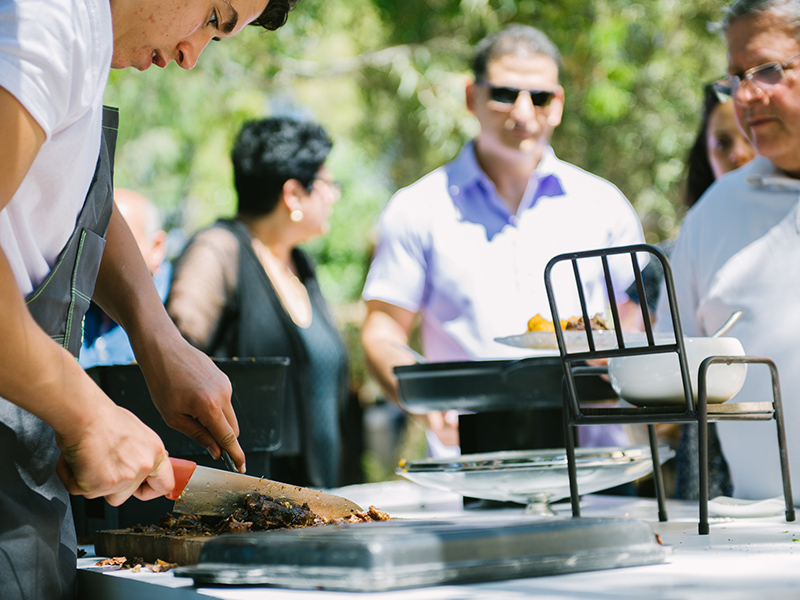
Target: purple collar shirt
450 249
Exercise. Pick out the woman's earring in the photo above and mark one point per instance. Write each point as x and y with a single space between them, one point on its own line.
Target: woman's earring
296 215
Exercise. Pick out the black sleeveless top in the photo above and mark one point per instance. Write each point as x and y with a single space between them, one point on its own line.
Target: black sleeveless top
254 323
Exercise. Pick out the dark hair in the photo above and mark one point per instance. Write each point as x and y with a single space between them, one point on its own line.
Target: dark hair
275 14
700 175
268 153
739 9
513 39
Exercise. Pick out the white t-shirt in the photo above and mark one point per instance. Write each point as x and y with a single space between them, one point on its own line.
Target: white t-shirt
739 249
54 58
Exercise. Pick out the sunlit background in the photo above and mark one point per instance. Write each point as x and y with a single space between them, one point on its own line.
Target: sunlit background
386 79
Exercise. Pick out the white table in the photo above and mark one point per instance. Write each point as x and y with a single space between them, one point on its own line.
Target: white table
741 558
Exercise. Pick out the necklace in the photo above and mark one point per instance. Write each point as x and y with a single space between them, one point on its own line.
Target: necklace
291 291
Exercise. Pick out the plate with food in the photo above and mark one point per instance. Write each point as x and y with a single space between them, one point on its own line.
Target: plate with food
541 335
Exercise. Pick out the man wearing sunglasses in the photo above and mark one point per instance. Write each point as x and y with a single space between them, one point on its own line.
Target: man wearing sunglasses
739 246
465 247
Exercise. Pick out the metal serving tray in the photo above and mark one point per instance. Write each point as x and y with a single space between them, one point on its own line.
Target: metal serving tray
404 554
490 385
532 476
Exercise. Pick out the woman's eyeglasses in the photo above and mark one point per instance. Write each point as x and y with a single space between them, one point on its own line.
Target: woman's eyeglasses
335 186
762 77
508 95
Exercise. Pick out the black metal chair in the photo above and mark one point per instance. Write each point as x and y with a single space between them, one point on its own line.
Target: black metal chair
574 356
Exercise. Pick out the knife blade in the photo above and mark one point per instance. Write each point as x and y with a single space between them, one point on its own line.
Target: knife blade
204 491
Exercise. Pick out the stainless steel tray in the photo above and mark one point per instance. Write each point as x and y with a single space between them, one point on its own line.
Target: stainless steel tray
403 554
532 477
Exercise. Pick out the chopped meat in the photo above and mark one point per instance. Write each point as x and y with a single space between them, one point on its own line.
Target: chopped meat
115 561
262 513
596 323
373 514
136 564
162 566
257 512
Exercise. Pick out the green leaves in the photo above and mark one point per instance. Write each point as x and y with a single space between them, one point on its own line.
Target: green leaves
387 80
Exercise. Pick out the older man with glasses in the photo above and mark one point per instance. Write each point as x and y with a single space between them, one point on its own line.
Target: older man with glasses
739 247
465 247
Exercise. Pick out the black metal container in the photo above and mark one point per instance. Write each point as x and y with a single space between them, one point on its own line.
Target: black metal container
258 394
517 402
490 385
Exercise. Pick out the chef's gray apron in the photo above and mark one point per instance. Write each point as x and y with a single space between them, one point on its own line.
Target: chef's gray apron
37 533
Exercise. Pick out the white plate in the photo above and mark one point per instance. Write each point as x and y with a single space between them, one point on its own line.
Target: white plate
723 506
604 339
531 476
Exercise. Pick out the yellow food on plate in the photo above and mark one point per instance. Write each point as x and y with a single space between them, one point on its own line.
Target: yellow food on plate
539 323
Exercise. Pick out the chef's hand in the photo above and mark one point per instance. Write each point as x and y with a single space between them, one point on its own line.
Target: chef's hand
194 397
445 426
112 453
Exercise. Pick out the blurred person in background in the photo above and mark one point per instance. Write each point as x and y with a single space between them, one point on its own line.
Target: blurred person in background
739 246
59 433
243 288
719 147
463 250
104 341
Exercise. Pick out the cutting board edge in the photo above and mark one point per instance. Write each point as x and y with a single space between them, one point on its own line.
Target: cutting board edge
182 550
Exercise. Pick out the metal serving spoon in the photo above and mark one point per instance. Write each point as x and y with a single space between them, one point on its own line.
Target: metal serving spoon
728 324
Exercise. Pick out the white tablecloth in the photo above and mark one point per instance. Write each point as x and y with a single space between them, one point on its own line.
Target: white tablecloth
741 558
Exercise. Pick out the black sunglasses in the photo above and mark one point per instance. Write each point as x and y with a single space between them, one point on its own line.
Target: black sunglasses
509 95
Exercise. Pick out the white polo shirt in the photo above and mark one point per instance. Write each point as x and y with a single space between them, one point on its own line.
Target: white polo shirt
450 249
739 249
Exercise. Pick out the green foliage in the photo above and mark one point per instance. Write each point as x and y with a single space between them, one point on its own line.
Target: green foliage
387 79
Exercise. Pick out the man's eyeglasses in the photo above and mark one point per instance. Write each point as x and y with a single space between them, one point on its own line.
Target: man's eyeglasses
763 77
508 95
721 90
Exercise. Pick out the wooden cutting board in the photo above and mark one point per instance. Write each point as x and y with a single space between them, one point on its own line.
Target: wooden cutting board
183 549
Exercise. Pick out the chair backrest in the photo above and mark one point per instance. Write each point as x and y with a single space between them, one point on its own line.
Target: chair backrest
571 344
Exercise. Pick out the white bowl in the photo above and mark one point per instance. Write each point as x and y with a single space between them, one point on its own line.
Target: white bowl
655 379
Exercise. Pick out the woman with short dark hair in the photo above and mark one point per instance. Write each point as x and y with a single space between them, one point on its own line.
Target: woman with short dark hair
243 288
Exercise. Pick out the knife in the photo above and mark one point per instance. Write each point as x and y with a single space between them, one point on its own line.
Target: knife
204 491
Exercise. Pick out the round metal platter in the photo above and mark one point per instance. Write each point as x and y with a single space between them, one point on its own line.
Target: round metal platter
532 476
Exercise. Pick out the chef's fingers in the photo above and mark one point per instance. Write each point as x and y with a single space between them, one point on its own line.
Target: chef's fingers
227 440
67 477
231 445
160 481
230 417
157 483
216 435
70 482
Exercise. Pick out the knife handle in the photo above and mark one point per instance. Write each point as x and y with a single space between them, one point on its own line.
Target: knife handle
182 470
